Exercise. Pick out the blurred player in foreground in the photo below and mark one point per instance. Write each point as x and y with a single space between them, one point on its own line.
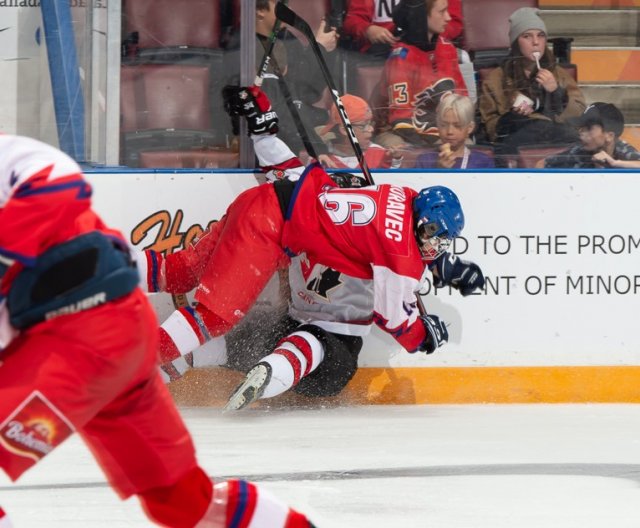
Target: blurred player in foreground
384 234
79 353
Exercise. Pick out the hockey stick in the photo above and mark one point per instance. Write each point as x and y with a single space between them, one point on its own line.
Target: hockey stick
262 70
289 17
266 58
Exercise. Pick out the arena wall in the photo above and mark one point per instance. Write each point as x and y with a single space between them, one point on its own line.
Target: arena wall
557 321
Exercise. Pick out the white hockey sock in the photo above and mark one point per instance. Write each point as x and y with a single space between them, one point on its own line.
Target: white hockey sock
295 357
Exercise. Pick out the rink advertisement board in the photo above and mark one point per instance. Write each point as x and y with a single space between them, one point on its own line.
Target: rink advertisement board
557 320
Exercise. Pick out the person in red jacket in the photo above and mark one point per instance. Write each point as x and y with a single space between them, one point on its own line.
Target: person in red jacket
370 24
422 67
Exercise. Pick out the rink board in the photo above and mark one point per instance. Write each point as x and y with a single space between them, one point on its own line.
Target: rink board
557 321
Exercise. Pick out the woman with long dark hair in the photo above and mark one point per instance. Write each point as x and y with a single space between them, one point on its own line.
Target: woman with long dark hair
529 98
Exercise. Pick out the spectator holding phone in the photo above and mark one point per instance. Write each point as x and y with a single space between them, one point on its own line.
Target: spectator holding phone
529 98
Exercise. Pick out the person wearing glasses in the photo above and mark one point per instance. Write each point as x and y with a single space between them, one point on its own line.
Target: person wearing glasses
341 155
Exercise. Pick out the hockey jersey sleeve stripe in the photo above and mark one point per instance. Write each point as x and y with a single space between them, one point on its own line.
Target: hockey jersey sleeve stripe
27 189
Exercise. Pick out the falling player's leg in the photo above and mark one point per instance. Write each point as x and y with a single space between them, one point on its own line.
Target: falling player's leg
246 255
315 362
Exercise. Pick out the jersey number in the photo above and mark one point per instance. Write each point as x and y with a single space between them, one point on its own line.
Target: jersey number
358 209
400 93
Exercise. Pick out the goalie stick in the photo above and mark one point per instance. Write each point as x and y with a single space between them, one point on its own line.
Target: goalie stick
290 17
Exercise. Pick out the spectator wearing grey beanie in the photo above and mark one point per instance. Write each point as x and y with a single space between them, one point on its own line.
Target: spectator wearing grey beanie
529 98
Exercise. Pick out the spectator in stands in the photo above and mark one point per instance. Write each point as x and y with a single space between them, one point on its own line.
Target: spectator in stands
290 65
421 68
529 98
370 24
455 119
600 146
341 155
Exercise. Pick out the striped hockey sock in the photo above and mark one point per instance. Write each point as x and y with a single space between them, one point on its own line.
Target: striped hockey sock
294 357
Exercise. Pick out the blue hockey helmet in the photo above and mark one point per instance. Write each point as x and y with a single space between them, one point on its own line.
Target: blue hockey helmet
438 219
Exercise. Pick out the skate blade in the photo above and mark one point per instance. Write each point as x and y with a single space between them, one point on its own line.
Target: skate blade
249 390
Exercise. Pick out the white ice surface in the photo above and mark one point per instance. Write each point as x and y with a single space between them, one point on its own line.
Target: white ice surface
515 466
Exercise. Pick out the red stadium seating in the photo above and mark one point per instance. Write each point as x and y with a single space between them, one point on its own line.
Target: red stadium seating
164 106
162 26
190 159
486 28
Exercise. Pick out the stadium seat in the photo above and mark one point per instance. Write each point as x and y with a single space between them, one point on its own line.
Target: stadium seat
486 28
190 159
533 156
169 29
164 106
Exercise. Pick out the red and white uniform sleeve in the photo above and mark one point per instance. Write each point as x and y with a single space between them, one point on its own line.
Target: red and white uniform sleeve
395 308
275 158
44 199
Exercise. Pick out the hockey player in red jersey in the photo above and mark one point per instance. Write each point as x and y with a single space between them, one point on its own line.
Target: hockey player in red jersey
385 234
79 353
420 69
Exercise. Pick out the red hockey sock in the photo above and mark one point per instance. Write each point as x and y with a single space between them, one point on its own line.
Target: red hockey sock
167 347
181 505
186 329
242 503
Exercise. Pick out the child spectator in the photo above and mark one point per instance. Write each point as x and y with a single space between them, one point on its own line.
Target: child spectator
341 153
600 146
370 24
421 68
455 116
528 99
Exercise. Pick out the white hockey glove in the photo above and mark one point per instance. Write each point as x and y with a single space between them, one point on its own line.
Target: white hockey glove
463 275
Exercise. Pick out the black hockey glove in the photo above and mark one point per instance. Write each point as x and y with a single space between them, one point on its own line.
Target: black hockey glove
254 105
437 334
462 275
